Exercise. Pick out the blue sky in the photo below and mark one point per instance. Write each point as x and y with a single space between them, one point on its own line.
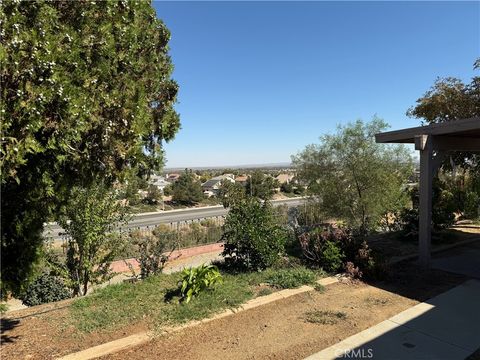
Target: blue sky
260 80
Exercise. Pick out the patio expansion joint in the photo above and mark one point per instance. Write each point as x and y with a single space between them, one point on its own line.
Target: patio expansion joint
429 335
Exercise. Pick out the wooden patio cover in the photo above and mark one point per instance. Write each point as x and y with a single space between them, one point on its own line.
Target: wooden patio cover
434 143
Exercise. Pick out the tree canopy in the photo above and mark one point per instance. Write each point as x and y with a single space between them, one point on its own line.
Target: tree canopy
260 185
187 190
450 99
356 179
86 93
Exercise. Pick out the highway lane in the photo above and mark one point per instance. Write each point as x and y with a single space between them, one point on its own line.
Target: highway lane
53 230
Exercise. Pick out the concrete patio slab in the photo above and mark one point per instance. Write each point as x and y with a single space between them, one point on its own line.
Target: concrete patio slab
453 318
462 260
445 327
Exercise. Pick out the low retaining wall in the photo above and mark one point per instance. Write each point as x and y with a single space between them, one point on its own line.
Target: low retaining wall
121 266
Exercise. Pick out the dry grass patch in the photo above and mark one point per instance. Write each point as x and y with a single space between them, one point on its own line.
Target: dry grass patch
324 317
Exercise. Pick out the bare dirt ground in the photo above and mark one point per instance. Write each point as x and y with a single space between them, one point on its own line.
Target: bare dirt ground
279 330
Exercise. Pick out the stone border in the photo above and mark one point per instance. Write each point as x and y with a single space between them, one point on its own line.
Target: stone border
141 338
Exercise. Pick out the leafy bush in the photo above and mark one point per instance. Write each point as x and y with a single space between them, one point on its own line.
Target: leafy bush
154 195
332 256
409 223
472 205
46 288
291 278
253 238
3 308
91 220
324 246
187 190
198 233
163 230
196 280
333 248
152 255
168 190
299 190
286 188
443 211
208 223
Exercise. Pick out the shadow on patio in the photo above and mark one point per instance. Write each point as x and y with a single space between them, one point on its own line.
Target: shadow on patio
445 325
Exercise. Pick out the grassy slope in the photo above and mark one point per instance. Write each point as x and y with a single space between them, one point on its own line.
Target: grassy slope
156 301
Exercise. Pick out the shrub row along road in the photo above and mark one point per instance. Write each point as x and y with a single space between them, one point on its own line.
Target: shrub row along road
54 231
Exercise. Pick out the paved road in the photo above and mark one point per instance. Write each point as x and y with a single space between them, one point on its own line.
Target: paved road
165 217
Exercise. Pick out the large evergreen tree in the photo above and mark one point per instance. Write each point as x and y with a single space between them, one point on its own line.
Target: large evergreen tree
187 190
86 93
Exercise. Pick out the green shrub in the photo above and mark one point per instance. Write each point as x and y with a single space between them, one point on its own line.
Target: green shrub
333 248
409 223
3 308
472 205
154 195
443 211
325 246
46 288
332 256
299 190
291 278
286 188
152 253
253 237
196 280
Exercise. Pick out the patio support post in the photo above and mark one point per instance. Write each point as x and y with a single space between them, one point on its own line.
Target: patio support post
424 144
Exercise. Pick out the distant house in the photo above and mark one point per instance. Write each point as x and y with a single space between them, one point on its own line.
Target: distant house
213 185
241 179
284 178
209 193
171 178
159 182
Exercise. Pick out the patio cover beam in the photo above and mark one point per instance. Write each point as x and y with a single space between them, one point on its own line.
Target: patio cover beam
434 142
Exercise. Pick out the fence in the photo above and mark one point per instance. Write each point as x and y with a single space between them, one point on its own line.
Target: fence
186 233
204 231
210 230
